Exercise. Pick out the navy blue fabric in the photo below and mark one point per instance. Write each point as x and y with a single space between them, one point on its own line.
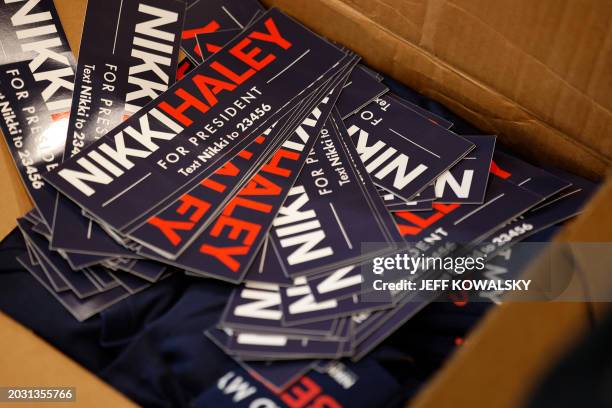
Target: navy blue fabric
151 346
236 389
24 299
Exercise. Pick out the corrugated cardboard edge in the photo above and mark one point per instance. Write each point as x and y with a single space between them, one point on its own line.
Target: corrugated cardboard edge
510 350
502 358
469 372
28 361
482 105
546 56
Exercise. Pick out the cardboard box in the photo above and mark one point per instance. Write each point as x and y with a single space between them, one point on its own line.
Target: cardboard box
535 73
28 361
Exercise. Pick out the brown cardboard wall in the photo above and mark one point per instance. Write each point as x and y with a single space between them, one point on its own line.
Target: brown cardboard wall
14 200
27 361
72 14
507 354
536 73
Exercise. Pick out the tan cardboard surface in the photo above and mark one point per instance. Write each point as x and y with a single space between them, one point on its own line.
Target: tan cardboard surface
501 360
28 361
517 343
536 73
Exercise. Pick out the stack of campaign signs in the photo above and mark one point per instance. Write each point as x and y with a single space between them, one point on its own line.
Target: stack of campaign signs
270 158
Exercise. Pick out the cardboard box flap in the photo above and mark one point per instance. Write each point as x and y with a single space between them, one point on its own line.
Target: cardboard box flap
515 69
589 241
536 73
31 362
548 328
549 57
72 15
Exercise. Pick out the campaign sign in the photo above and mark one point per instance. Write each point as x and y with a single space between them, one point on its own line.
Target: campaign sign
402 150
448 226
175 226
329 212
257 307
36 83
391 200
421 202
436 119
128 57
299 306
557 208
265 268
466 182
360 89
81 309
521 173
76 280
339 284
170 231
257 346
215 111
184 67
210 43
209 16
116 76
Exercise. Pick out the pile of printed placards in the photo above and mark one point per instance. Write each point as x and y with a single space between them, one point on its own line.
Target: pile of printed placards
276 161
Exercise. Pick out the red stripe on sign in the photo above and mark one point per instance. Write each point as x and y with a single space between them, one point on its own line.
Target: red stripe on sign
59 116
182 70
208 28
499 172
